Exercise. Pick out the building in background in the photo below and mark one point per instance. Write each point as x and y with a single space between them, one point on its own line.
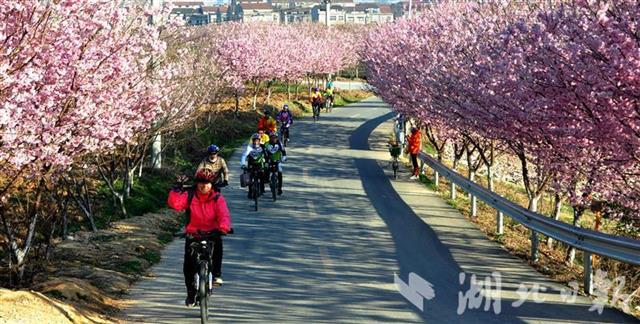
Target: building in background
259 12
289 11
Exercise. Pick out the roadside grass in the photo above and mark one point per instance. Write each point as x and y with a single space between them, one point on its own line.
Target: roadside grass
130 267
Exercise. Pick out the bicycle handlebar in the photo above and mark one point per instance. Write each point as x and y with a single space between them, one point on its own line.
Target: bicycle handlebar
203 235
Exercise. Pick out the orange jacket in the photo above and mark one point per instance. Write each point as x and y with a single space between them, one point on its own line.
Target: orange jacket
267 124
414 143
262 123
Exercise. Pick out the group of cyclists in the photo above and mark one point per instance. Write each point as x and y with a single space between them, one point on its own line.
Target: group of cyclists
319 99
267 148
205 207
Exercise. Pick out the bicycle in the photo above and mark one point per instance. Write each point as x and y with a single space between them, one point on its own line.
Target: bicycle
284 134
254 184
203 247
328 104
273 179
394 150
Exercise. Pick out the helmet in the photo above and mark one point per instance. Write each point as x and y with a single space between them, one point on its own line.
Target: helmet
273 134
205 176
213 149
315 89
265 110
414 129
256 136
285 107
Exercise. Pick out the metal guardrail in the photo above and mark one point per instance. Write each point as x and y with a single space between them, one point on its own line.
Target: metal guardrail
615 247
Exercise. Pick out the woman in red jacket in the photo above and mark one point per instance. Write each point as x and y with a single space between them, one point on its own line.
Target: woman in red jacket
414 149
206 211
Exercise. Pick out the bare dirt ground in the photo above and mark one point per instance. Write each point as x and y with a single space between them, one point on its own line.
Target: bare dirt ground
91 272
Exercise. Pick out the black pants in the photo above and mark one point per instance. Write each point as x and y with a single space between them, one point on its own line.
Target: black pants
262 179
280 180
190 266
414 161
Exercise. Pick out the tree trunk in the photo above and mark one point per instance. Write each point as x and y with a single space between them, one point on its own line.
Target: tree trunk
49 248
556 215
237 99
571 252
489 177
82 198
255 96
156 152
533 203
268 94
458 152
128 174
288 91
17 255
118 198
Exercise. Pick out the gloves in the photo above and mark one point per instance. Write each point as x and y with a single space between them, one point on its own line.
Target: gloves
284 159
225 183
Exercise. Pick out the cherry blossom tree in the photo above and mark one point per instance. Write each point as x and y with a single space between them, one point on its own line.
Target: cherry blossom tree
74 81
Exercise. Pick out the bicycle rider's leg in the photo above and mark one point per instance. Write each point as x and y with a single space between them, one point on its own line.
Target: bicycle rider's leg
216 258
189 268
264 178
250 186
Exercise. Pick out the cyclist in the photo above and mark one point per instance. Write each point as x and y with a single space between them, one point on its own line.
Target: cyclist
330 84
328 93
414 149
276 154
316 98
285 117
206 210
217 165
266 123
254 159
263 137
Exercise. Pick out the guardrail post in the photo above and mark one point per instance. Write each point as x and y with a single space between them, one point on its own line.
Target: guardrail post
534 246
474 206
421 166
452 195
588 272
499 223
436 179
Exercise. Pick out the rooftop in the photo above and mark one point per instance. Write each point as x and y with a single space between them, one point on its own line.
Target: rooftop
256 6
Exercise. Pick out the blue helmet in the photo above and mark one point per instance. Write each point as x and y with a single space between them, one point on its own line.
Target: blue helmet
285 107
213 148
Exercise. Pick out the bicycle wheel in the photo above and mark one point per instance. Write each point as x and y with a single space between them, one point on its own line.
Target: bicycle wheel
273 183
202 293
256 193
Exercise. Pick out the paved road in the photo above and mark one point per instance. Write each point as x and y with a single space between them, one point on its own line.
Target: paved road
328 251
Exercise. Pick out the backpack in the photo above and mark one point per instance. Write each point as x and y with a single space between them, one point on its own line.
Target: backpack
187 212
